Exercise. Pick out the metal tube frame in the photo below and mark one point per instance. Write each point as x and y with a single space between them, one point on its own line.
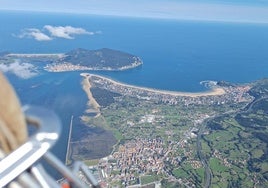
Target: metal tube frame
22 167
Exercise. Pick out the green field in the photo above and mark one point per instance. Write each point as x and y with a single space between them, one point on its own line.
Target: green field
234 142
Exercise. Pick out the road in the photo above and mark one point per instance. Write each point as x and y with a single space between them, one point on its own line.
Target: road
208 173
202 158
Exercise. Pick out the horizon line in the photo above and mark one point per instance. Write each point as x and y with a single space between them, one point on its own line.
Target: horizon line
154 17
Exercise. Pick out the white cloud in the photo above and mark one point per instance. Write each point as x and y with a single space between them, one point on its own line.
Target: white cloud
66 32
34 33
40 36
22 70
49 32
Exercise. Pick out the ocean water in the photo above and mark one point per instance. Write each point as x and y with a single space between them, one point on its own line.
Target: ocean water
177 55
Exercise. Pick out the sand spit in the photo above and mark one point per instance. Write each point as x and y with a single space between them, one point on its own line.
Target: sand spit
60 55
92 102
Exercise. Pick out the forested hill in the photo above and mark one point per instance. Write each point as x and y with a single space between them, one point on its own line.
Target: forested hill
102 58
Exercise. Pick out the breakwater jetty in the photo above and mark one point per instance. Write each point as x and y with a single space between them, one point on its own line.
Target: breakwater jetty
67 157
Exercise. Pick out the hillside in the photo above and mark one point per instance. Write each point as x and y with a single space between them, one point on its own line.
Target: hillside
236 146
104 59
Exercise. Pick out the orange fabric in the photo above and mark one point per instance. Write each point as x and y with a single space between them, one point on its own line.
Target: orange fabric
65 185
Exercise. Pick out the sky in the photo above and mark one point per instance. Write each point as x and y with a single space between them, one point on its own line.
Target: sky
213 10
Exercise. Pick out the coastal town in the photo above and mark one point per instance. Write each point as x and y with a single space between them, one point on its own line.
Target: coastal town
67 66
136 160
217 94
152 150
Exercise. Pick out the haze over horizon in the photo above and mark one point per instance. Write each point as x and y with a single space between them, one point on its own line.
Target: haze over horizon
207 10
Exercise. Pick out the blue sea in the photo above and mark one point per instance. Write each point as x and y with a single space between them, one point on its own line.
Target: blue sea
177 55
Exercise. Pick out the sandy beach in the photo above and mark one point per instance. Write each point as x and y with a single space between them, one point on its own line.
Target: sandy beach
213 92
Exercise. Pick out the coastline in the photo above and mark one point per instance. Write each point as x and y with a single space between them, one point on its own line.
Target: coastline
213 92
67 66
86 87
